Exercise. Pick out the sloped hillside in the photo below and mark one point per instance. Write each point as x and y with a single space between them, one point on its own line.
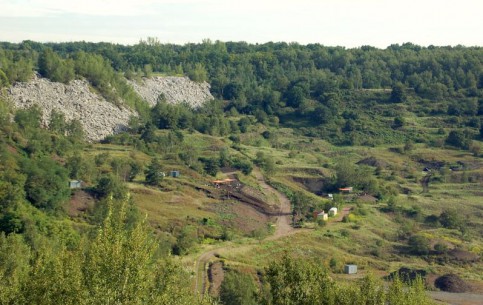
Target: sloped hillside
175 89
100 118
76 101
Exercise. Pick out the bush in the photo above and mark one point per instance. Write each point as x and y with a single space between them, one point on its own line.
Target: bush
238 289
419 245
450 219
459 139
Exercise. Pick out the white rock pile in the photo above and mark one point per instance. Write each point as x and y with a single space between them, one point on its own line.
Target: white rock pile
175 89
98 117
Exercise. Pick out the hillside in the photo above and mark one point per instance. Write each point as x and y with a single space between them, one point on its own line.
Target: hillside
175 89
226 194
98 117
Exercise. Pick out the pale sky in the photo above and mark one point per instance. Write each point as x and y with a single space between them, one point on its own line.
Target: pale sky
349 23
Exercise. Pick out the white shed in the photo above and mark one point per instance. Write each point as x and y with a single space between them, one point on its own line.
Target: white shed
350 269
322 215
333 211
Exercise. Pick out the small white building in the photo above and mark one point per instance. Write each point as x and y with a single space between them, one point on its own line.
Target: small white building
350 269
333 211
75 184
322 215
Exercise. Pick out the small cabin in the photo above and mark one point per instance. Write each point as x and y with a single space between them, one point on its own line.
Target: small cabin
333 211
350 269
321 215
174 174
75 184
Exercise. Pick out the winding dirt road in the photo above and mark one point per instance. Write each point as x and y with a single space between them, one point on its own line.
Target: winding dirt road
282 228
282 222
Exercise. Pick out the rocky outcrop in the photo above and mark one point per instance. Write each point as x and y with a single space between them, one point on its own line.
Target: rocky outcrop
175 89
99 117
76 101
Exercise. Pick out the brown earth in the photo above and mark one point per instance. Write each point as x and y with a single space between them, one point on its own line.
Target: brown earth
279 211
79 203
216 276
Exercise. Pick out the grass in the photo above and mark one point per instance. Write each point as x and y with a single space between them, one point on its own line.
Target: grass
371 240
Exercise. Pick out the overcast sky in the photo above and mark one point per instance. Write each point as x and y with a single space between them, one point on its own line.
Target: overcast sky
350 23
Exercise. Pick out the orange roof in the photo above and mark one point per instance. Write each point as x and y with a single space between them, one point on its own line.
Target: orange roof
223 181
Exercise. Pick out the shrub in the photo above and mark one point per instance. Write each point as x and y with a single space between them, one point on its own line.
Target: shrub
419 245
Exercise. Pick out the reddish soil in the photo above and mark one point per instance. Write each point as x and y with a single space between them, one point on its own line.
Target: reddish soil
280 210
463 256
80 202
345 211
283 220
216 276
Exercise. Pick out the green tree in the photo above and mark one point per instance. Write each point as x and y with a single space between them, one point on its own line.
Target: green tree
451 219
294 281
119 260
47 183
55 68
397 94
238 289
110 185
419 245
154 173
459 139
56 277
14 268
57 122
29 119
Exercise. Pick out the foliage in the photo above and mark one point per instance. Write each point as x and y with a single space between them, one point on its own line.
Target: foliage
459 139
419 245
451 219
46 186
117 265
110 185
55 68
397 94
154 173
238 289
296 281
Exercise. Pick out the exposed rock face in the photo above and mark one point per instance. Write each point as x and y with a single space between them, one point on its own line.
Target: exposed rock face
175 89
98 117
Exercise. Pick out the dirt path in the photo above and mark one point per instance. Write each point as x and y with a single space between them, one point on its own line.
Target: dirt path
283 221
457 298
345 211
282 229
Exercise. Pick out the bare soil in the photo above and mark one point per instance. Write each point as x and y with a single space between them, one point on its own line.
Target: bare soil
457 298
79 203
279 210
283 220
215 275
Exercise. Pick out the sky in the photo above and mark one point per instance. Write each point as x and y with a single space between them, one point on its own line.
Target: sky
349 23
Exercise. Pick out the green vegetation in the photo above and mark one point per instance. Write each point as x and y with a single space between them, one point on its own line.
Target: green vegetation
297 282
401 126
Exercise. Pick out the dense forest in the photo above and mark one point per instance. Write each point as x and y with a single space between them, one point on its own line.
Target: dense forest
348 97
320 89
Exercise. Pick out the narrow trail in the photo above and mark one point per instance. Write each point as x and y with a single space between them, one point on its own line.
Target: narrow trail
282 223
282 229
